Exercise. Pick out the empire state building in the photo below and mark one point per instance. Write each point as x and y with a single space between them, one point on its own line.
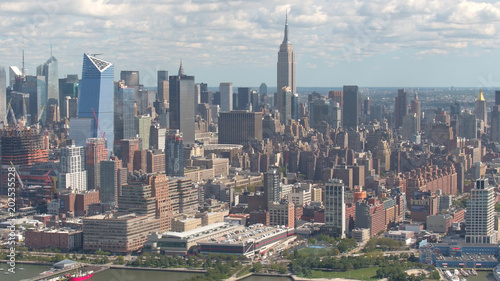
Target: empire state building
286 71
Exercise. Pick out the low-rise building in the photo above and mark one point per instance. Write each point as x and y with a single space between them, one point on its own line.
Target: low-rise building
400 235
65 239
361 235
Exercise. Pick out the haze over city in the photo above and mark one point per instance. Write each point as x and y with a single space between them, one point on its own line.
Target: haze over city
368 43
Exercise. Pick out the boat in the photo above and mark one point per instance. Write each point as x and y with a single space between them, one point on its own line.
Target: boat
474 272
81 275
496 272
464 273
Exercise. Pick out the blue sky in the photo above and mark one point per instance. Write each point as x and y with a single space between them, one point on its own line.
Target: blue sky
364 42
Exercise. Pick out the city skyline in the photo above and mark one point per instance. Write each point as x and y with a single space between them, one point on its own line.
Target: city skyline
364 43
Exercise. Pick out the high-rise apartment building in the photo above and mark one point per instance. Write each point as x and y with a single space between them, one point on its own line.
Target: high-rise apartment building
182 111
113 176
350 113
285 66
272 186
480 215
96 97
72 174
174 154
400 108
226 96
95 153
238 127
335 212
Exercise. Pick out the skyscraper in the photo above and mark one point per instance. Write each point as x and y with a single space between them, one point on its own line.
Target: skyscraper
286 65
174 154
95 153
400 108
239 127
244 98
285 104
163 85
50 71
226 96
480 108
335 217
272 186
3 95
495 123
350 113
113 177
480 214
415 108
182 111
96 97
124 115
73 174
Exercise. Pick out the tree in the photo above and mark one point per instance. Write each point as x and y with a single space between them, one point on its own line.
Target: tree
120 260
257 267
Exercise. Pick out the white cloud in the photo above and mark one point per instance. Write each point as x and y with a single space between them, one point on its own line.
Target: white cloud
148 32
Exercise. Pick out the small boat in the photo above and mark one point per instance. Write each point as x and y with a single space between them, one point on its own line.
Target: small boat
474 272
81 276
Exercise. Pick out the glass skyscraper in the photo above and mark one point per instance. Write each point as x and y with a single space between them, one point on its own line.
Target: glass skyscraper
96 97
182 104
3 95
124 113
50 71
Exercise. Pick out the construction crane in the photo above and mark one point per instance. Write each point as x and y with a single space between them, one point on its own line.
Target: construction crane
37 124
17 174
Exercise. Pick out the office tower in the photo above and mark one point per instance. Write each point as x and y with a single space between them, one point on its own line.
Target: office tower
3 95
226 96
400 108
197 95
244 98
497 97
36 87
239 127
367 104
467 125
113 176
286 66
182 105
205 95
53 114
335 217
131 79
15 74
235 100
50 71
72 174
495 123
480 214
124 115
284 105
480 108
410 125
337 96
95 153
350 114
127 151
295 107
335 115
143 124
163 86
318 113
263 89
415 108
272 186
96 97
145 100
174 154
68 87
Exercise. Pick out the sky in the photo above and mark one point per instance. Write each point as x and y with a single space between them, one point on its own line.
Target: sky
370 43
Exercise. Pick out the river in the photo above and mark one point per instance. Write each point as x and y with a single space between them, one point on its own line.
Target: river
31 270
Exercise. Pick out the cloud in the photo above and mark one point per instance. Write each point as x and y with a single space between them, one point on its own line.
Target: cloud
150 33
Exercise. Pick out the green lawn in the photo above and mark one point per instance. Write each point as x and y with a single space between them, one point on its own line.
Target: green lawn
315 251
359 274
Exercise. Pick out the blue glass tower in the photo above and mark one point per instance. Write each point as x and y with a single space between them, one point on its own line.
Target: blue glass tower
96 96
